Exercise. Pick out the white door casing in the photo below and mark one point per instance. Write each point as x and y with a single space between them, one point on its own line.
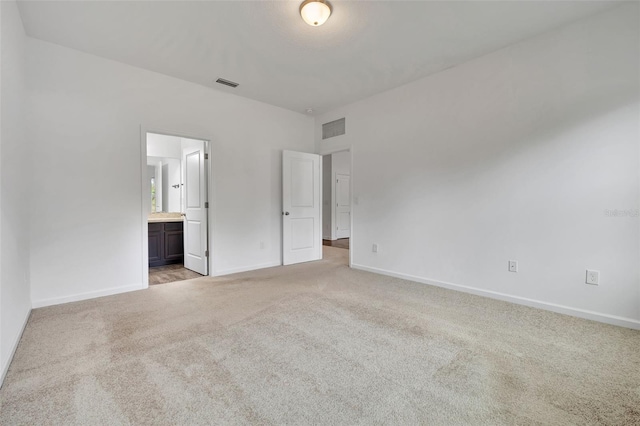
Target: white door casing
343 205
195 207
301 207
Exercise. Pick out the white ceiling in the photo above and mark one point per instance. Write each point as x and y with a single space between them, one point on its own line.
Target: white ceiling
366 47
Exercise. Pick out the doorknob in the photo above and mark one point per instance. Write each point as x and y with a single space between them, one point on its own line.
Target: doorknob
285 213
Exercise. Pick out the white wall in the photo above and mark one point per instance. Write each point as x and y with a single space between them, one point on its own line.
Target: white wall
15 302
515 155
85 107
341 162
164 146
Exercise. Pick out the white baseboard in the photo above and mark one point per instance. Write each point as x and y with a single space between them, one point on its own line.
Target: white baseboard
567 310
88 295
247 268
5 368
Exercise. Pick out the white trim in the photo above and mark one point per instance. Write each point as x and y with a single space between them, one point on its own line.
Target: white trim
334 176
321 209
248 268
5 369
351 196
211 197
208 150
88 295
567 310
145 208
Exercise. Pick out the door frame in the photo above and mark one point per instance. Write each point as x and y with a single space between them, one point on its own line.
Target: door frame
145 202
349 149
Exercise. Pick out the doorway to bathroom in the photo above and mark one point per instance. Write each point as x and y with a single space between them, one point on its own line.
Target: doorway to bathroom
175 195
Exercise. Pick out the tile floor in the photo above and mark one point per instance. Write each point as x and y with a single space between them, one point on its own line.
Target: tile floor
170 273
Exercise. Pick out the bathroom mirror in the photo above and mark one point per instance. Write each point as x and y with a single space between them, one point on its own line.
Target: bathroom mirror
164 168
164 175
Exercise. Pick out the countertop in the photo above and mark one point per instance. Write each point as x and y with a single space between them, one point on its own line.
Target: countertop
165 217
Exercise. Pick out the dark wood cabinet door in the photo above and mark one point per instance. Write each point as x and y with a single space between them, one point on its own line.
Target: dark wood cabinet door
155 244
174 245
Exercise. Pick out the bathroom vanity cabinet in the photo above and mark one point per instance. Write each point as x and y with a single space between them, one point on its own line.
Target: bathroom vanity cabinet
166 243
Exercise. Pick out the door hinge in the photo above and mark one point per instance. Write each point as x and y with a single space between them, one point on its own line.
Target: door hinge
206 253
206 205
206 156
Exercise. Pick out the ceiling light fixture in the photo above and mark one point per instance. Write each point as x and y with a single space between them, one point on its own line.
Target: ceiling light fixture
315 12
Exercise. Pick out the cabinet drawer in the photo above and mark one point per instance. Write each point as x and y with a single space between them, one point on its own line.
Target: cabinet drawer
155 227
173 226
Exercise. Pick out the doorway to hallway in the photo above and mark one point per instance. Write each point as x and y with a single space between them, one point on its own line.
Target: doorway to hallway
339 243
336 203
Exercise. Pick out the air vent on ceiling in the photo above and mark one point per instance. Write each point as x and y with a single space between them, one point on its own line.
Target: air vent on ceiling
227 82
333 128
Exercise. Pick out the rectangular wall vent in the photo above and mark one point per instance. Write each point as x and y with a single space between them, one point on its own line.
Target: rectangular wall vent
227 82
333 128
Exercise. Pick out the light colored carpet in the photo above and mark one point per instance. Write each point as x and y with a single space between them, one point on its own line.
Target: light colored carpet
317 343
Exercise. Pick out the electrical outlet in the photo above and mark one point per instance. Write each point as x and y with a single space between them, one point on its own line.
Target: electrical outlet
513 266
593 277
374 248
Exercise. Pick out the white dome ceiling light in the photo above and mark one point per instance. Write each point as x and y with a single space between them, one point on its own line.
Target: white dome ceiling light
315 12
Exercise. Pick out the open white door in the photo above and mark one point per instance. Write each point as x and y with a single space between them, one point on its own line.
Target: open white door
343 205
195 206
301 226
